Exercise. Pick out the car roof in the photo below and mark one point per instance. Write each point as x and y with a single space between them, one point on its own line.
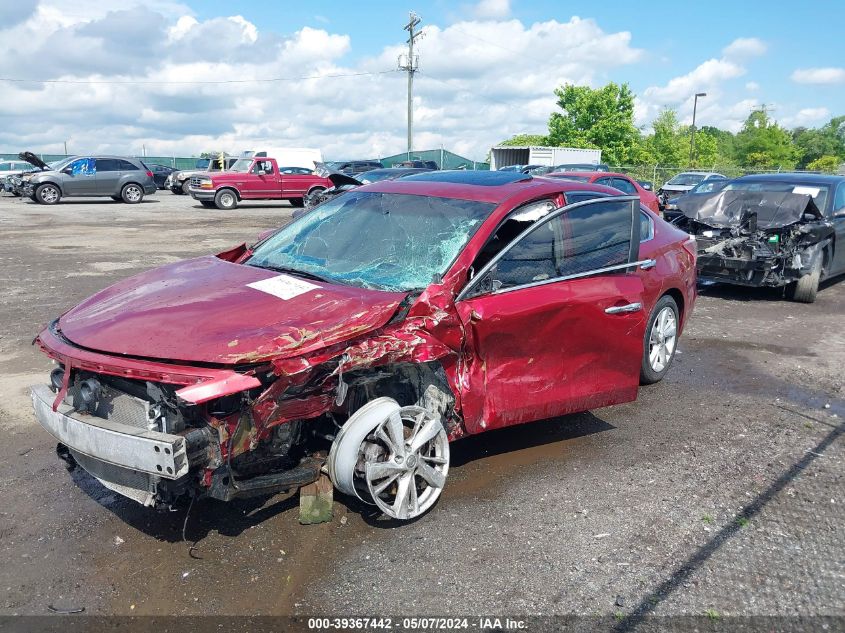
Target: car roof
480 186
586 174
797 177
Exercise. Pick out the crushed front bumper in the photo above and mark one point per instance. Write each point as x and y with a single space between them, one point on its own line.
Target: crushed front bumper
127 459
764 271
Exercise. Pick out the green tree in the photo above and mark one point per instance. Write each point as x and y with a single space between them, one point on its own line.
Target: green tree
669 144
829 164
725 143
706 148
666 144
763 144
526 139
598 119
814 143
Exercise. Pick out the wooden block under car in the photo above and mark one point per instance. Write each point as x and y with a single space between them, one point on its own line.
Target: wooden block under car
316 501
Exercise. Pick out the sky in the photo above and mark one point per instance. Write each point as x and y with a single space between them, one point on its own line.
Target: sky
181 77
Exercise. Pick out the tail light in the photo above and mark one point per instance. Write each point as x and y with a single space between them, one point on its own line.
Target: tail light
149 174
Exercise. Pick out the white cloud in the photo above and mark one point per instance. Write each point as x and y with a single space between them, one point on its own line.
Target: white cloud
492 9
711 78
706 75
743 48
806 117
479 82
819 75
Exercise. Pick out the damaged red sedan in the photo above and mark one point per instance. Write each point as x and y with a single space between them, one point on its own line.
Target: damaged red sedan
363 337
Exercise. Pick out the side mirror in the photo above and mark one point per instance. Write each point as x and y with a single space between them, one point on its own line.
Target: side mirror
486 285
68 171
839 213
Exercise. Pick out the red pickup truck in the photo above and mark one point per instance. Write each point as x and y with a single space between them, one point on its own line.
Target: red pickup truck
254 179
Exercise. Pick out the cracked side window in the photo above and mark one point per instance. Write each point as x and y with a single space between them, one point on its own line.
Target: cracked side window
579 240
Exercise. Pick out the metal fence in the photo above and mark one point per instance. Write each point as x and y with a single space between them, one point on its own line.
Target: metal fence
659 174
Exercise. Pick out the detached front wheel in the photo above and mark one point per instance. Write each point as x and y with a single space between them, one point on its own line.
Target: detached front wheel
661 339
396 458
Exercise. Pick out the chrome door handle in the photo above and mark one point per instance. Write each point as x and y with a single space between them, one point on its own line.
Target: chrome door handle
631 307
649 263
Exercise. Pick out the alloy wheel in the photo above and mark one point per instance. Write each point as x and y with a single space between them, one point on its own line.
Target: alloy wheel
662 340
132 193
406 462
49 194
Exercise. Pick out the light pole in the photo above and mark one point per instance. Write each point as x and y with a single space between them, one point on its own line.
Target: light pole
692 136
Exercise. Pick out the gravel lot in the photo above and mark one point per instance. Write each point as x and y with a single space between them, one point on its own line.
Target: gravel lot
718 492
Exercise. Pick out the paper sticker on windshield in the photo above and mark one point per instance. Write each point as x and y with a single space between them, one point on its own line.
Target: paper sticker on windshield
283 286
810 191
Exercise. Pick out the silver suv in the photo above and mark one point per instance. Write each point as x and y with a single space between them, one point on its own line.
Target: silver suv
121 178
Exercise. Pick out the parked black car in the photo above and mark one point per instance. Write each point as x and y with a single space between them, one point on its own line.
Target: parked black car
428 165
343 183
160 174
779 230
352 167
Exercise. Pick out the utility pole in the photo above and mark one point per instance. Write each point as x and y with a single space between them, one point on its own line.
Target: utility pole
692 136
410 65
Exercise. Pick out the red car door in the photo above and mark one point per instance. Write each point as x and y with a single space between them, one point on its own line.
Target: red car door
555 321
263 181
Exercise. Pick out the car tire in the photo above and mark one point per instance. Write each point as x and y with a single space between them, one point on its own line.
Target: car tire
807 287
383 450
132 193
660 341
226 200
47 193
186 186
176 190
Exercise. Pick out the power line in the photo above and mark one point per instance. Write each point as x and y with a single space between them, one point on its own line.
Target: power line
196 81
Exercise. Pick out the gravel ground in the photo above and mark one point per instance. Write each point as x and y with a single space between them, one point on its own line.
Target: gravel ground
718 492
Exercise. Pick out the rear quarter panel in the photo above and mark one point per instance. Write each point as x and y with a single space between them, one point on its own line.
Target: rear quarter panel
675 267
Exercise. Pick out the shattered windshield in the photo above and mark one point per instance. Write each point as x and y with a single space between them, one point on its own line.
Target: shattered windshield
818 192
686 180
382 241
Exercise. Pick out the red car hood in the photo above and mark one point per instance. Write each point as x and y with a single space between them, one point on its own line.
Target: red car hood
209 310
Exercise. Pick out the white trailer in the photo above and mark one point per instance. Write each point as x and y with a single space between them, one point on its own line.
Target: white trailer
504 156
289 156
